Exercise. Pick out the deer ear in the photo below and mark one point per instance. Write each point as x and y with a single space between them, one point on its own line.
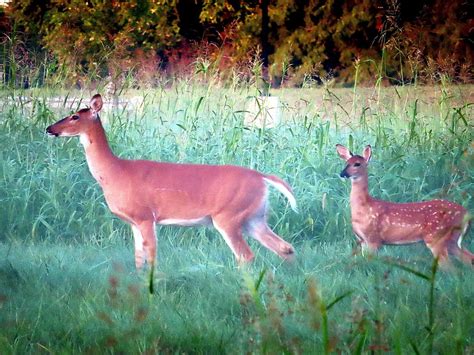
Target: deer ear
343 152
367 153
96 103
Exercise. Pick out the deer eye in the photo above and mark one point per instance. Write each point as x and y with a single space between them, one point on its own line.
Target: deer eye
75 117
356 164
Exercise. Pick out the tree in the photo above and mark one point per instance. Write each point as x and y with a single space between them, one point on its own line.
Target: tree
316 39
87 36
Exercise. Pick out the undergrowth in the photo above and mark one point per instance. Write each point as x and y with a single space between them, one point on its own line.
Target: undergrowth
66 264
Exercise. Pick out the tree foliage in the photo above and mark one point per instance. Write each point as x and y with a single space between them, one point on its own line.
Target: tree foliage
315 39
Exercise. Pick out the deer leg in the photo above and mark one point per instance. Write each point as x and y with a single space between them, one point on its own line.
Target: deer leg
145 243
440 249
368 247
139 252
260 231
462 254
232 234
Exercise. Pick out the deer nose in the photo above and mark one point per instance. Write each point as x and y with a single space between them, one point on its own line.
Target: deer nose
49 130
344 174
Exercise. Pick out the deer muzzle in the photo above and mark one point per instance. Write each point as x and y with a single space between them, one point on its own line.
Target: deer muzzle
51 131
344 174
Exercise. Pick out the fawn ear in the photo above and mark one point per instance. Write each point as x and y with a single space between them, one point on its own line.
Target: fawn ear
367 153
343 152
96 104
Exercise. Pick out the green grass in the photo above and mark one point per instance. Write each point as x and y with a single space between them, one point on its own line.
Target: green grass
67 278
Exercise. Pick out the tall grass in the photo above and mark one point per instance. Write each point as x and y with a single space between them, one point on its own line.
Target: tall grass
66 264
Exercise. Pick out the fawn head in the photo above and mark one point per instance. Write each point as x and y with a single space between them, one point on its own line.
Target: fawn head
356 164
78 122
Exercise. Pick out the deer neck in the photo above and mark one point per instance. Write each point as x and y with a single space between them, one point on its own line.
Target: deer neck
99 156
360 192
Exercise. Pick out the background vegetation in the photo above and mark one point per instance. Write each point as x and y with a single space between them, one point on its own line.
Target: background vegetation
156 41
66 264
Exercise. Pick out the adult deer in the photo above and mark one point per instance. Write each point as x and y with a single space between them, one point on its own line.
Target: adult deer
439 224
144 193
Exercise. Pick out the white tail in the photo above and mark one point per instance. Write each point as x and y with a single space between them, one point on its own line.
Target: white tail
440 224
142 192
284 188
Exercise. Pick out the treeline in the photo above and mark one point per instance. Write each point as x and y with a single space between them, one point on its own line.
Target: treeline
304 42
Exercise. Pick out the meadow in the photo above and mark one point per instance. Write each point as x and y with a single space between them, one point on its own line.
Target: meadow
67 278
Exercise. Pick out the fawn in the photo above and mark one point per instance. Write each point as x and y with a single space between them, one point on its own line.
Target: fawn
439 224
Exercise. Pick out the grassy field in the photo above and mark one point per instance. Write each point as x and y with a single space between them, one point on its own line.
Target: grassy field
67 278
